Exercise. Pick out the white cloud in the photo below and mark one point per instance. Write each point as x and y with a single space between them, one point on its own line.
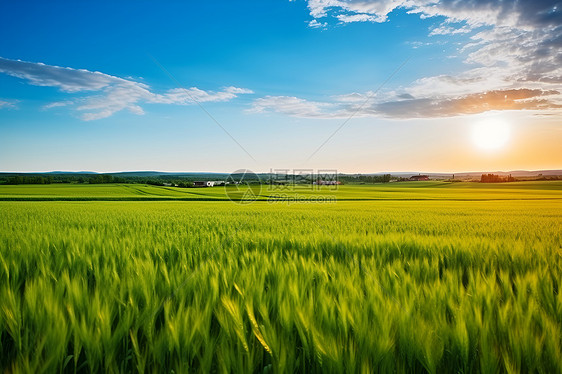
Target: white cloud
67 79
292 106
449 30
405 105
521 14
431 107
114 99
515 51
107 94
354 97
314 24
523 35
319 8
8 104
348 18
377 11
57 104
193 94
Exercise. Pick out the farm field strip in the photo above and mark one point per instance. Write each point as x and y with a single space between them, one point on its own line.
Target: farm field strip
393 191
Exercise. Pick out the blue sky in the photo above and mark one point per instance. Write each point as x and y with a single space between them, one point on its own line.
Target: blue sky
111 86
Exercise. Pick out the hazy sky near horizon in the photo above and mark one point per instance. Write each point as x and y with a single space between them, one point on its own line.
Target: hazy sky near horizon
357 86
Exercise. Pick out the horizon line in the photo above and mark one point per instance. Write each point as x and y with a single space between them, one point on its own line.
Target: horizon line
271 171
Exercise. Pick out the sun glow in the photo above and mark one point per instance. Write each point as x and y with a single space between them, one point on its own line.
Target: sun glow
491 133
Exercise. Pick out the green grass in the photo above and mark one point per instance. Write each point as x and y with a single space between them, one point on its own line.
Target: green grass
391 191
443 284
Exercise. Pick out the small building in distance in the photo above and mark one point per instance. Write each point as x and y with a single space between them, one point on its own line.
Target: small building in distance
419 178
203 184
327 183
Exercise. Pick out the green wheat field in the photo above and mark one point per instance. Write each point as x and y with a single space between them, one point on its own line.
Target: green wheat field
404 277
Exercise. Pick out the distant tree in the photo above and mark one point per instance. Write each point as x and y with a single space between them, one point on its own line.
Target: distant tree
29 179
362 179
494 178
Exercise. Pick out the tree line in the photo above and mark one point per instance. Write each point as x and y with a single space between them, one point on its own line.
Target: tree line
385 178
94 179
494 178
31 179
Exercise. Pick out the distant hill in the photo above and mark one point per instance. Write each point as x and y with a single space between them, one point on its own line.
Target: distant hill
473 174
67 172
167 174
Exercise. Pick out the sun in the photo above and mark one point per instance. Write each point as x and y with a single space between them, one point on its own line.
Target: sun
491 133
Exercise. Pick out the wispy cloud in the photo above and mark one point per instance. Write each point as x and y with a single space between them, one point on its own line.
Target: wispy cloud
444 29
519 99
314 24
58 104
360 17
515 49
292 106
474 12
376 10
405 105
8 104
194 94
103 94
